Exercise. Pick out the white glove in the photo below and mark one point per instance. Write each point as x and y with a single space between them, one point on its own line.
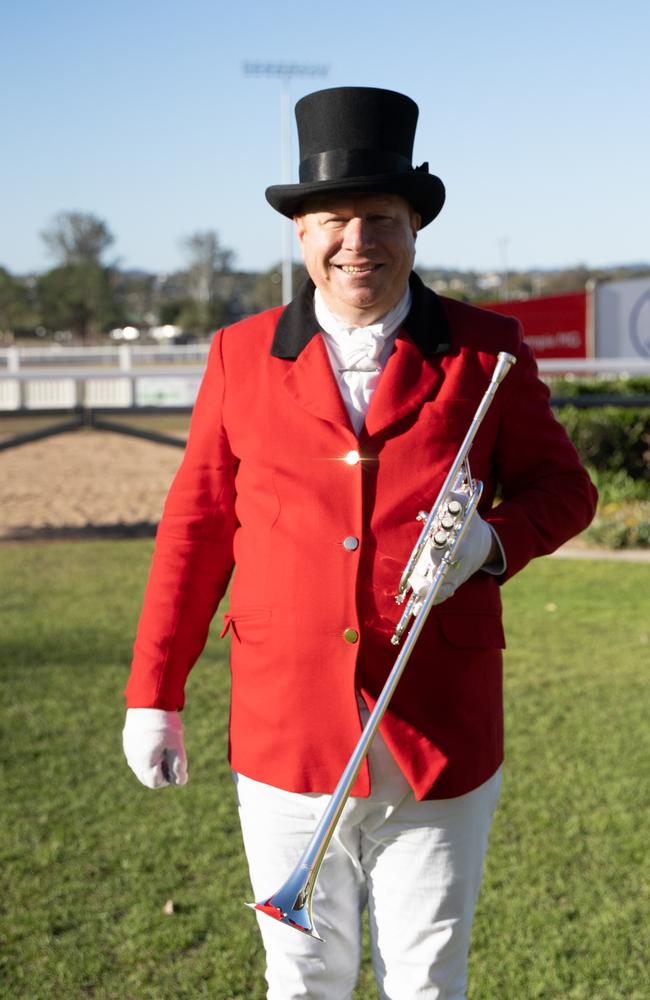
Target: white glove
154 748
470 556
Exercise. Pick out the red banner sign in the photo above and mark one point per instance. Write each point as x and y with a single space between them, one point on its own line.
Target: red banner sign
555 326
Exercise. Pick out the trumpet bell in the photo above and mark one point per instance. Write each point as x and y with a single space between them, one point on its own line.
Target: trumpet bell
291 905
299 919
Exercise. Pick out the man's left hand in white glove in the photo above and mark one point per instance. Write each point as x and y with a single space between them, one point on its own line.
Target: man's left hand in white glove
154 747
479 549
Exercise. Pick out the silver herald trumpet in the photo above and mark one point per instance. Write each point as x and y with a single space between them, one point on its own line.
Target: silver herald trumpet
443 530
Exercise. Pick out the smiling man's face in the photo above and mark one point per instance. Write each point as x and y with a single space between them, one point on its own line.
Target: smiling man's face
359 252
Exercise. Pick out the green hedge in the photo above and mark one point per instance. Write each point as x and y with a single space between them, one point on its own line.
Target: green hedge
611 439
614 444
629 385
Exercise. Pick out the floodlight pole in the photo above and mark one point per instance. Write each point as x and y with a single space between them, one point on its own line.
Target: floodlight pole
285 71
503 287
287 225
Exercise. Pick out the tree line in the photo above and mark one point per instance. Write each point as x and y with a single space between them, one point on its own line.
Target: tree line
84 297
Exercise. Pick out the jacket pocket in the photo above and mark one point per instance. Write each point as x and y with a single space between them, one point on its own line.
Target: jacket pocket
239 621
473 631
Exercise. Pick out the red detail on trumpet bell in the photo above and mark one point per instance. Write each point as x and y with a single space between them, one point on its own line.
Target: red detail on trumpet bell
299 927
270 910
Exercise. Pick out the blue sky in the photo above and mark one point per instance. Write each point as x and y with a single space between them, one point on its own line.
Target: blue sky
535 115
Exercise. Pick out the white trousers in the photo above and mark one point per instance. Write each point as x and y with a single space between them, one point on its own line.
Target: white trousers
417 866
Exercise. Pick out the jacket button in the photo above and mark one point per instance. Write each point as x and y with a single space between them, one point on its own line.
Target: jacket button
351 635
350 543
352 457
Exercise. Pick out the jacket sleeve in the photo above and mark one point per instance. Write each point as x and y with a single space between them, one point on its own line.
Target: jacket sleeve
193 556
546 494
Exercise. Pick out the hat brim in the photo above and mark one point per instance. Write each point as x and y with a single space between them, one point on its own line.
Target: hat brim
424 192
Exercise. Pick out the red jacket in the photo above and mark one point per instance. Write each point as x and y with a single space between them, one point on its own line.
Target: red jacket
263 487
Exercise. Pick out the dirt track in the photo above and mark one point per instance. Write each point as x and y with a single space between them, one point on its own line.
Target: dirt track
84 482
90 482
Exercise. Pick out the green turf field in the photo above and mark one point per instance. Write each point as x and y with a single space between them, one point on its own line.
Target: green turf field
89 858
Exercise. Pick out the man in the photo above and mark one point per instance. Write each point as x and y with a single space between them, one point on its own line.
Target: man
319 432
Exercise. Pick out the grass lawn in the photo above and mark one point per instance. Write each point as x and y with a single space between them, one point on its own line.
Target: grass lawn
89 858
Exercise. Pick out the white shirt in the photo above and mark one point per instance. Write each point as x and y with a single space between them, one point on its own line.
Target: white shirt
359 353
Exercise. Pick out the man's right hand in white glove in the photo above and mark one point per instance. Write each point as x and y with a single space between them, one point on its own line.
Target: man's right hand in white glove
154 748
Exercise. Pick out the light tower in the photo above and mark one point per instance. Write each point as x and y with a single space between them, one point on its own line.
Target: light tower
285 71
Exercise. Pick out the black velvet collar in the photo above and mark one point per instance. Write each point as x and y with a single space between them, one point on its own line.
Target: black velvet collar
426 323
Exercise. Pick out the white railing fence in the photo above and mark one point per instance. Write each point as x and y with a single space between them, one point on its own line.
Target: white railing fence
128 376
124 357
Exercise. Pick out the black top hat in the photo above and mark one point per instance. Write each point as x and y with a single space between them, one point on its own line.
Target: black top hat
358 139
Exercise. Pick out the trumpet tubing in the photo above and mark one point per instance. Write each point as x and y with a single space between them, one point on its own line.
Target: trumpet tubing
443 529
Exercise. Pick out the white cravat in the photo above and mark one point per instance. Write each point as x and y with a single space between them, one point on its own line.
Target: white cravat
358 354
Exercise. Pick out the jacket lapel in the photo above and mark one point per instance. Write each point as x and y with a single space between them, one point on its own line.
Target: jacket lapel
406 382
309 379
311 383
411 375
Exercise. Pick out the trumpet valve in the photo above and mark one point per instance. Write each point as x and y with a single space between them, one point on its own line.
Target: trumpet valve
447 521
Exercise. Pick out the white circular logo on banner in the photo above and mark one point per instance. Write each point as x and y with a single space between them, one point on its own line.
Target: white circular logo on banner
640 325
